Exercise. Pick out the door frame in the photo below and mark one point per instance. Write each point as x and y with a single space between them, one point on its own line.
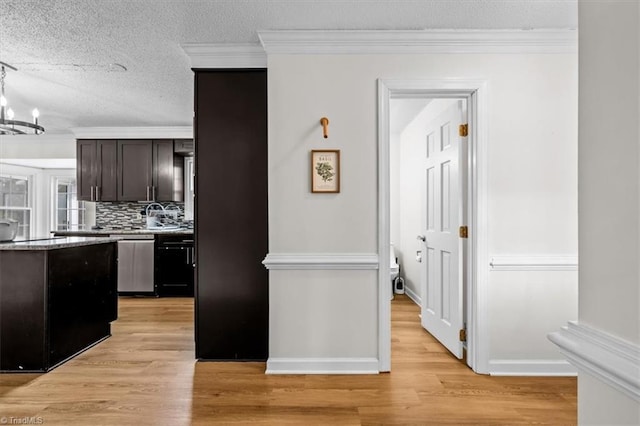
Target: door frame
477 264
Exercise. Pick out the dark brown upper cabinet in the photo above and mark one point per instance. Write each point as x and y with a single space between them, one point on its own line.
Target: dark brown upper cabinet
97 171
167 177
135 169
149 170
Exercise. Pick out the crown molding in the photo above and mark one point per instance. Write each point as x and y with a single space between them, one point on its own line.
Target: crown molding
418 42
225 55
164 132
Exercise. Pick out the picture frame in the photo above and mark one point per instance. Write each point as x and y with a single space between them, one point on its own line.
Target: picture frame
325 171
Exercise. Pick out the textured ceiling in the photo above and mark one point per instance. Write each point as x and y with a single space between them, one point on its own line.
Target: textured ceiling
69 53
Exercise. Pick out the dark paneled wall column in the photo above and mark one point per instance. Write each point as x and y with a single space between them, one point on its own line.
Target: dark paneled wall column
231 223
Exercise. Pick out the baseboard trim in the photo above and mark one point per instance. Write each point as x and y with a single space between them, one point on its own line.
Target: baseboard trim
300 261
531 367
322 366
606 357
413 296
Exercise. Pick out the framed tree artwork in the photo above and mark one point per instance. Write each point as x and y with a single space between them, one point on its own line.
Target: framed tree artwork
325 171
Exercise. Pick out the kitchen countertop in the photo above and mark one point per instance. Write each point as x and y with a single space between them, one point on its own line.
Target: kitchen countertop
54 243
106 231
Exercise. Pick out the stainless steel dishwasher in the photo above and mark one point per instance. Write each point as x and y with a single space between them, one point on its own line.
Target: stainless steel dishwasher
135 264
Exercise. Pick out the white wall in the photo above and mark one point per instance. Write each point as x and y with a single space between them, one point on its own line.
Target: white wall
532 119
609 161
40 146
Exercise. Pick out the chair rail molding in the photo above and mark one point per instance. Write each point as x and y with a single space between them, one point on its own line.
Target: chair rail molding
533 263
606 357
321 261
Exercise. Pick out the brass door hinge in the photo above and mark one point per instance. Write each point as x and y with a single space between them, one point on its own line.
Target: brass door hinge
464 232
463 130
463 334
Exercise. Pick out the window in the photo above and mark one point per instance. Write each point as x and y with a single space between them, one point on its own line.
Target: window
69 213
15 202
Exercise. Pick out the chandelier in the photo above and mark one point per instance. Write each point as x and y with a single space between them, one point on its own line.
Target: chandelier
9 126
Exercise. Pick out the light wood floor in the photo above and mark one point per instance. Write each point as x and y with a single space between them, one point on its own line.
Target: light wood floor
145 374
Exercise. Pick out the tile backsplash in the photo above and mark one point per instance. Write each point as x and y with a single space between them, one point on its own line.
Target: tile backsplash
127 215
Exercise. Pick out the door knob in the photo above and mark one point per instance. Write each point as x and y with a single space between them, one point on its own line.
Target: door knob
422 238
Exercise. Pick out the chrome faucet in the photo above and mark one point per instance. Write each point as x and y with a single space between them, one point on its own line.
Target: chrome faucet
154 204
152 221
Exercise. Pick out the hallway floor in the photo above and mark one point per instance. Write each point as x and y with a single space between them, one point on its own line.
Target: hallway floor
145 374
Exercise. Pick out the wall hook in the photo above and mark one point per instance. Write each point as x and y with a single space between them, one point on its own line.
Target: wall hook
325 126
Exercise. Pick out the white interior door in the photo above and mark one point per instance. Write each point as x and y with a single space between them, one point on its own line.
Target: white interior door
442 270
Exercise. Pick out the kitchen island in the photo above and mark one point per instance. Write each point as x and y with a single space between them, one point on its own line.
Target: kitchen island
152 262
57 298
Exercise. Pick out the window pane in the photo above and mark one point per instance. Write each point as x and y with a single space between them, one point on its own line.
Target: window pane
19 186
62 201
22 216
62 216
5 185
14 202
70 211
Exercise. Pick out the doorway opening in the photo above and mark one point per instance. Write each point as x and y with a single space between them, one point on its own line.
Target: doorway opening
440 258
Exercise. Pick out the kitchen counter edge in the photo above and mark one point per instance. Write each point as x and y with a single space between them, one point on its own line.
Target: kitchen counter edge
101 232
55 243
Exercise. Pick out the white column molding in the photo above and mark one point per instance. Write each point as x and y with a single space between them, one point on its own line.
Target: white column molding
606 357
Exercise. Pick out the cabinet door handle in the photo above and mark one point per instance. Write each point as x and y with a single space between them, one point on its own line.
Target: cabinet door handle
153 192
97 193
187 251
92 189
147 193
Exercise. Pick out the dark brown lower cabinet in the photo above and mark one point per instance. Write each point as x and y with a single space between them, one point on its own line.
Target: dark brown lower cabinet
55 304
231 222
